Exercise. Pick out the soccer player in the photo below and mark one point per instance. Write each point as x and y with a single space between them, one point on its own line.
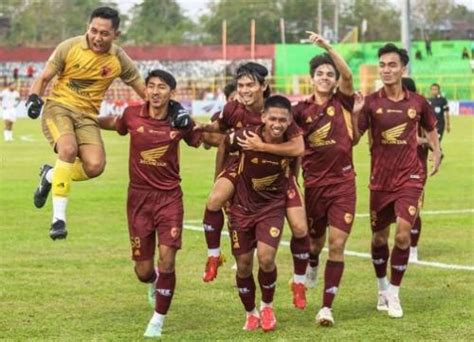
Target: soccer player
86 66
257 211
10 99
422 152
328 171
155 199
441 110
252 89
393 115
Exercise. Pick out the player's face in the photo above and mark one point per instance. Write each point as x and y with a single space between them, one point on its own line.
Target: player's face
250 90
232 96
324 79
101 34
276 121
391 68
158 92
434 91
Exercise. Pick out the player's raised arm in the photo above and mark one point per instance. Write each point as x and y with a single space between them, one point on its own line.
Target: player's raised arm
291 148
345 81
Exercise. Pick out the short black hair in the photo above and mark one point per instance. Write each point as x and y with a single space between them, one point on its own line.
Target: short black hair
162 75
409 83
229 89
277 101
319 60
436 85
256 72
107 13
392 48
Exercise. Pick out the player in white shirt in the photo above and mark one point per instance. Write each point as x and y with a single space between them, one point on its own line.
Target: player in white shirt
10 99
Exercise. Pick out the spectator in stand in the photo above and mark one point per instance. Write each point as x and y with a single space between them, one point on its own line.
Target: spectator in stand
30 71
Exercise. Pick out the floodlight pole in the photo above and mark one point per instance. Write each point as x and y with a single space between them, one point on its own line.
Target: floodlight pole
405 30
320 17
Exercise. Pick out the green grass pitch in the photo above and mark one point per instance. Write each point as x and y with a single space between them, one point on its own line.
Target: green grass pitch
84 288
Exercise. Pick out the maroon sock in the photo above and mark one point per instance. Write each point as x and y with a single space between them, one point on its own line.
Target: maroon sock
267 281
415 232
313 260
213 223
164 292
332 278
379 259
398 262
246 287
300 250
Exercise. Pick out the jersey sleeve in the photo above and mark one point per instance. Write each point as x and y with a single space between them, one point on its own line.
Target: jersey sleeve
231 142
446 105
227 118
57 60
347 101
193 138
121 123
293 131
297 113
427 117
130 73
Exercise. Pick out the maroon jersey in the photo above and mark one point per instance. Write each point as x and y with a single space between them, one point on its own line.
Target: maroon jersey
235 116
154 148
328 140
393 135
262 180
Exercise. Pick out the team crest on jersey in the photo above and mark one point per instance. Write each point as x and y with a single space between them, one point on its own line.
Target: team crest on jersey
254 160
105 71
412 210
411 113
141 129
174 232
274 232
239 125
331 111
173 134
309 120
379 111
348 218
151 157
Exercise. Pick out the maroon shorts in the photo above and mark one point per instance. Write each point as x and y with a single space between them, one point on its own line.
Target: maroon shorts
230 171
246 230
151 213
330 205
293 194
386 206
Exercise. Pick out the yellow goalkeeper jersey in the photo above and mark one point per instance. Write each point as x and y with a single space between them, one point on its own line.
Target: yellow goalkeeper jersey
84 76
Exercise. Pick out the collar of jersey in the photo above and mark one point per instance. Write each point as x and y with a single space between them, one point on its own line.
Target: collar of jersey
406 93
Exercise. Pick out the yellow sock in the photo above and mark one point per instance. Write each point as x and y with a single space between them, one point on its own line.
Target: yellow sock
78 173
62 178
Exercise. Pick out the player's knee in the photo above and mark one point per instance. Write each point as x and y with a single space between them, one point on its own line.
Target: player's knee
144 274
402 240
94 168
299 228
267 263
316 245
336 247
244 268
67 152
166 266
379 239
215 202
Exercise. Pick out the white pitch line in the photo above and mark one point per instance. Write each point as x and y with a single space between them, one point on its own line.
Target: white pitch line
362 255
423 212
26 138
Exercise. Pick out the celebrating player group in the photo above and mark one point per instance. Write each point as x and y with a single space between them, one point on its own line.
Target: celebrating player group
262 142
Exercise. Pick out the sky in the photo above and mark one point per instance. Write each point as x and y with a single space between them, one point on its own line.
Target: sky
195 8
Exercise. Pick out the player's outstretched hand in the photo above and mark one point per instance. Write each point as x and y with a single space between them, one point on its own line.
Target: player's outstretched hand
34 103
436 156
180 117
251 141
318 40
